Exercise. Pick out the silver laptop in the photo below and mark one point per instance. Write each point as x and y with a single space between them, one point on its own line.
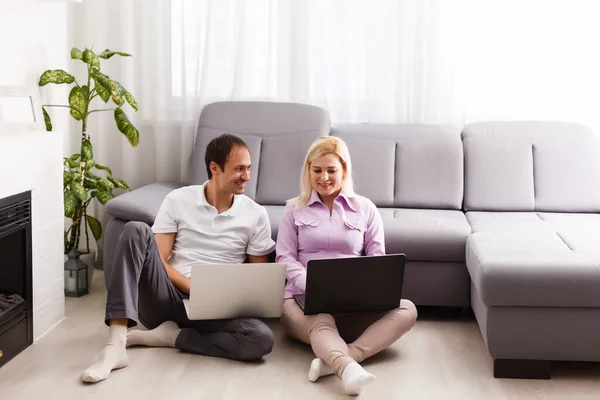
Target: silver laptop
224 291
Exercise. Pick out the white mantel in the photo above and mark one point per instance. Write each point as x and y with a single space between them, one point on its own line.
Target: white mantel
32 160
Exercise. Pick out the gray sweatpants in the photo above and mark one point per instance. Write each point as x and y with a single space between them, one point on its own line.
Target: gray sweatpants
141 291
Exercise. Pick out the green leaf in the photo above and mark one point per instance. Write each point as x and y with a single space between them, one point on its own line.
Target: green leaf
117 92
70 202
131 100
95 226
119 183
103 92
87 152
91 175
57 76
104 197
89 164
90 58
75 157
71 163
77 103
122 184
67 178
126 128
106 185
76 54
103 168
86 91
47 120
106 54
79 191
90 184
101 79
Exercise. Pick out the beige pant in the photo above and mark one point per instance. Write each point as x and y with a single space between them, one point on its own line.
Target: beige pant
366 333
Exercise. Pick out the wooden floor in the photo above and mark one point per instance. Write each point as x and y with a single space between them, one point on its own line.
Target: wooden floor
441 358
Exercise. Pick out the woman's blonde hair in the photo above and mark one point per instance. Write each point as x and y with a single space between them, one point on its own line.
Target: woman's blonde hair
321 146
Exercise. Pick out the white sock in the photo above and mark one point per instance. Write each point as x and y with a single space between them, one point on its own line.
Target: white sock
318 369
163 335
113 356
355 378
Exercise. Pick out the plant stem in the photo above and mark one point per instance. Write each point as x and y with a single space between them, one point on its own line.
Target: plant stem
81 209
76 246
85 225
69 230
74 239
89 68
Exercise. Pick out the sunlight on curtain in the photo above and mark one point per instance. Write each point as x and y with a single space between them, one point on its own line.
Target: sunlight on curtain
385 61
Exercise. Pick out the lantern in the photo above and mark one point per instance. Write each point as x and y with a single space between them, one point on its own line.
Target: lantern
76 275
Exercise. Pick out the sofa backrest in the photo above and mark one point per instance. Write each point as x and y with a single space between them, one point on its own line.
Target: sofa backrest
278 134
531 166
406 165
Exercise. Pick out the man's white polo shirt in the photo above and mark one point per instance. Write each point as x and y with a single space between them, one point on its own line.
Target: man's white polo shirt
206 237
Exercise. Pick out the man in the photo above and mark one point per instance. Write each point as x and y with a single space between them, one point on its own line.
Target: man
210 223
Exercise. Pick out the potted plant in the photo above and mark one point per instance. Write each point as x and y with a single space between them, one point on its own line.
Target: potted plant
83 178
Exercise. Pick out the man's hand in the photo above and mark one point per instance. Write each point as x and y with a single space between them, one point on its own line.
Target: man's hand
165 247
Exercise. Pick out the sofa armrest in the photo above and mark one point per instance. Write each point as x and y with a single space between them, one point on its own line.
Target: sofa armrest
141 204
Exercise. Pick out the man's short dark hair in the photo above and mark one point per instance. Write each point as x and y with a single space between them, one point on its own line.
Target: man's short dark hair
219 149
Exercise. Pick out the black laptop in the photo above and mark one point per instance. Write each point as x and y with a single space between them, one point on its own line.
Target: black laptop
353 284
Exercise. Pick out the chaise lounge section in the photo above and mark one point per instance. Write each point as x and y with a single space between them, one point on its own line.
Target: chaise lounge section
532 194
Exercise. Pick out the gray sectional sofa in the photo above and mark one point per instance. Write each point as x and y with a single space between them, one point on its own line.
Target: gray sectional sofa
501 217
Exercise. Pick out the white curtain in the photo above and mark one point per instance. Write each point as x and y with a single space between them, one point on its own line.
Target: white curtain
378 61
532 59
405 61
363 60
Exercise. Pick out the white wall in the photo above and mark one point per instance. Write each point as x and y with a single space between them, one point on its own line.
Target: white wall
532 60
44 179
34 37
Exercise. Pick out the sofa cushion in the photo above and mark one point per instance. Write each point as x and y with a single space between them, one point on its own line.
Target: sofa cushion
141 204
426 235
581 232
429 172
406 165
281 161
531 166
531 268
481 221
275 214
278 134
366 167
567 176
498 175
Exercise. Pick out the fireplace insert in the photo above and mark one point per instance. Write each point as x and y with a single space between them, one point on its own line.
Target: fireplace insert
16 308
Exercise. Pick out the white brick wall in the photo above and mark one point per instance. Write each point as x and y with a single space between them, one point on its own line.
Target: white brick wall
33 161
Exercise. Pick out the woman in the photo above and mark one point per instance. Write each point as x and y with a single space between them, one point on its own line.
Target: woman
329 220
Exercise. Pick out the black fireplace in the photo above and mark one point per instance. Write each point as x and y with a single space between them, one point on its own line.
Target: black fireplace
16 308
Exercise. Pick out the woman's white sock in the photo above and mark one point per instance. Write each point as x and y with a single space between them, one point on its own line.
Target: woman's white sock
354 378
